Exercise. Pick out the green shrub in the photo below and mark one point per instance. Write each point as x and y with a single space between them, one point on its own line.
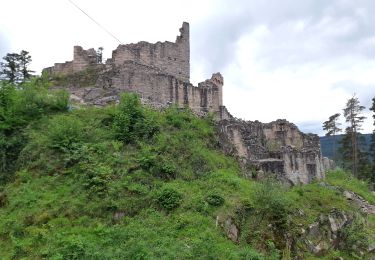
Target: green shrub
18 108
131 120
355 236
169 199
249 253
273 252
271 203
65 132
72 247
177 117
215 199
97 177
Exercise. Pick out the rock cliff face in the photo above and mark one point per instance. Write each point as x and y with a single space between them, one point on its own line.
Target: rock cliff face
160 74
277 147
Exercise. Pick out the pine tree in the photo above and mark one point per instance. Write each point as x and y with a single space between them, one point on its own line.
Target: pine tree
15 68
24 62
332 128
353 115
10 68
372 147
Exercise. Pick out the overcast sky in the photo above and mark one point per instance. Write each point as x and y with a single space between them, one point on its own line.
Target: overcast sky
292 59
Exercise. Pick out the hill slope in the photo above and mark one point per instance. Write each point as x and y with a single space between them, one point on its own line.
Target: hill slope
128 182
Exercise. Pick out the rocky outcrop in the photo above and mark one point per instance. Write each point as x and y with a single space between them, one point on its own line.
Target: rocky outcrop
325 233
277 148
335 230
364 205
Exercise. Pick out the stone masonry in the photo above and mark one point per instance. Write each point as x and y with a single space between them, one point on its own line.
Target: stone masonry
277 148
160 74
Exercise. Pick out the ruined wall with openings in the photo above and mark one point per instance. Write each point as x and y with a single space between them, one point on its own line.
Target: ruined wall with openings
274 148
154 88
171 58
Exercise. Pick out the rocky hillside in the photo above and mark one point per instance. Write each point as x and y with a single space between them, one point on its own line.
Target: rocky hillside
129 182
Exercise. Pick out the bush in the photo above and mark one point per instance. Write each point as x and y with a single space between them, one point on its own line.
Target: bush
97 177
18 108
169 199
131 121
215 199
270 201
65 132
249 253
177 117
355 236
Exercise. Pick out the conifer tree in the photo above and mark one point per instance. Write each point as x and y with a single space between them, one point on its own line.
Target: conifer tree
372 146
332 128
24 62
15 68
10 68
353 116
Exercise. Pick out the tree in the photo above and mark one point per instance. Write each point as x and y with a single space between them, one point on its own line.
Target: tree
332 128
24 62
15 69
99 55
353 115
347 155
10 68
372 147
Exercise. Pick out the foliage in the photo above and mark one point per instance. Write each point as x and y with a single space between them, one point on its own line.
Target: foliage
20 107
169 199
272 204
87 185
215 199
355 237
372 146
332 128
350 156
343 179
15 68
353 115
132 121
331 125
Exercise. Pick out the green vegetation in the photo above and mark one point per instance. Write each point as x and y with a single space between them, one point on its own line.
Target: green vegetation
84 78
128 182
15 67
356 151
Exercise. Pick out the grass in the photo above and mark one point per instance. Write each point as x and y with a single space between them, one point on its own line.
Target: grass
347 181
84 190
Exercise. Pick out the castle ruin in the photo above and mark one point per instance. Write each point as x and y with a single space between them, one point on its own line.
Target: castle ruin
160 74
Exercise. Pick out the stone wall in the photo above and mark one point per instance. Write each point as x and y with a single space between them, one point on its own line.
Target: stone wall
154 87
277 147
167 57
82 59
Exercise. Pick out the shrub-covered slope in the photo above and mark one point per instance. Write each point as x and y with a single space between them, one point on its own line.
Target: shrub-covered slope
128 182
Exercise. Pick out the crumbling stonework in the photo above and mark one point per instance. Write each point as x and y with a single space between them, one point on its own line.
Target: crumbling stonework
82 59
167 57
277 147
160 74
